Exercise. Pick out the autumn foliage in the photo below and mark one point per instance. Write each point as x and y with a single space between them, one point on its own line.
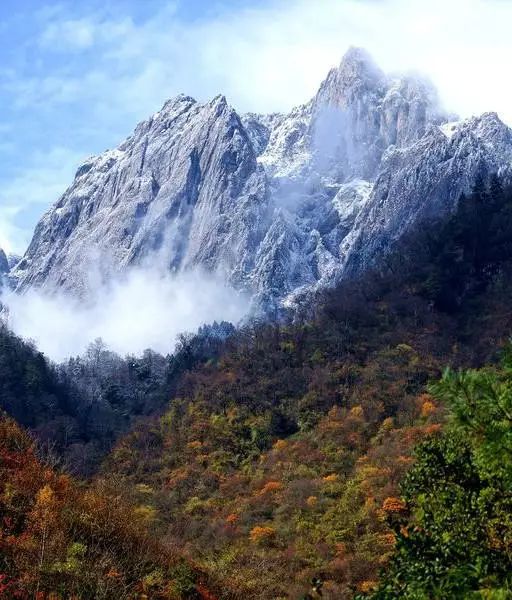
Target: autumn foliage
60 540
271 463
274 496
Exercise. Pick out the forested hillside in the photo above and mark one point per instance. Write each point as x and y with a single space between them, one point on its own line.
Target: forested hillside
454 527
60 539
279 464
78 409
294 460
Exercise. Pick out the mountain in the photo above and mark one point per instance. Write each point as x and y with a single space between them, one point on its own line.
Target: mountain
185 189
276 459
311 453
4 263
13 259
276 205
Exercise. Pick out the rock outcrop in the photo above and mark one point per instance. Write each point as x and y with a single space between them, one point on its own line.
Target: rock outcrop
4 263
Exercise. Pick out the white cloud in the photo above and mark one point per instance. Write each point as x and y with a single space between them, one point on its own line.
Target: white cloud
146 309
12 237
62 34
272 57
69 34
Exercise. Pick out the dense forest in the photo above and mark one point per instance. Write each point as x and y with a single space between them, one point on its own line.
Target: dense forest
78 409
60 539
330 456
453 527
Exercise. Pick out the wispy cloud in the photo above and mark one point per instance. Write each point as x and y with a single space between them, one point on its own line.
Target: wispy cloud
145 309
72 34
272 57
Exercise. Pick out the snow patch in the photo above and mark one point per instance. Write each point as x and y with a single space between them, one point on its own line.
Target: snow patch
448 129
351 198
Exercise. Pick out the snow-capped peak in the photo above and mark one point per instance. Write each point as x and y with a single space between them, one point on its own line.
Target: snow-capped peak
279 204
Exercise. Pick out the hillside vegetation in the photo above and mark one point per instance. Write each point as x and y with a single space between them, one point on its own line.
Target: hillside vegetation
454 527
278 465
59 539
296 460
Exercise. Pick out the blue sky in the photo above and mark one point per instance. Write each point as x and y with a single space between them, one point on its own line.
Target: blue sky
77 76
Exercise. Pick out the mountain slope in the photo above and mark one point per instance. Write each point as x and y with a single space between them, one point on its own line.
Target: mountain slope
184 189
439 167
276 464
275 205
279 464
62 540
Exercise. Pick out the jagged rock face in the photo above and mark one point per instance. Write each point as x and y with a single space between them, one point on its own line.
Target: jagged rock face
356 115
424 181
4 263
278 205
13 260
184 190
380 111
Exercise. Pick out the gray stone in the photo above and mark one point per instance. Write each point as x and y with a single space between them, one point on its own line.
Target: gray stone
277 205
4 263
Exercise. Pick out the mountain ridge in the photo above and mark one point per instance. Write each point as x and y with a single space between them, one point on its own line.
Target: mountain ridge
277 206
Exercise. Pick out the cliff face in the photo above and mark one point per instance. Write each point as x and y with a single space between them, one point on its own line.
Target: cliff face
276 205
4 263
425 180
185 189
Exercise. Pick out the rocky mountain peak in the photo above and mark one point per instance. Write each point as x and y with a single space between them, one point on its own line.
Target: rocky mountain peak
490 127
278 205
356 75
170 190
359 112
359 59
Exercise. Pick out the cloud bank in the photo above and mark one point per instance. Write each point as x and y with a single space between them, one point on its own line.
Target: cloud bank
144 309
269 57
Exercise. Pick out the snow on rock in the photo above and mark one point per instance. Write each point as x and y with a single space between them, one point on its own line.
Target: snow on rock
288 149
450 128
350 199
425 181
278 205
13 260
185 189
4 263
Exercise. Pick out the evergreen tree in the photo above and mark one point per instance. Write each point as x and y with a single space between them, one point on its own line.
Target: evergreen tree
457 540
